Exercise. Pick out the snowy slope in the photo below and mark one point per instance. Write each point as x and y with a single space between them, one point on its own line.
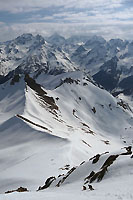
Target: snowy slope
43 129
54 117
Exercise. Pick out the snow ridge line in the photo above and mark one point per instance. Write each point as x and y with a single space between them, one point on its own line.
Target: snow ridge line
29 121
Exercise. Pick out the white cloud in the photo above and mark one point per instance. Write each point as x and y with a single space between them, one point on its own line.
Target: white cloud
1 23
110 18
123 30
15 6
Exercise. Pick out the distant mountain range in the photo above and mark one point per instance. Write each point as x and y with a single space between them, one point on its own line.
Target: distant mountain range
109 62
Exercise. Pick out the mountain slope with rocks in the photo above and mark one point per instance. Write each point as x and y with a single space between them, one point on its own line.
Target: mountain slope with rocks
47 129
111 60
62 135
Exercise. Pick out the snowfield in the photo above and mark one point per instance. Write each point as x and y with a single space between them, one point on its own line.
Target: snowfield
47 129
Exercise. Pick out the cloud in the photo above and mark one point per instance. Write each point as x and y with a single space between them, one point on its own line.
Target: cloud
15 6
110 18
115 30
1 23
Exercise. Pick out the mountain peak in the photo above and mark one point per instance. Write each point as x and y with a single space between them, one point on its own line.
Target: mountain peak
56 39
95 41
56 35
98 38
80 49
24 38
117 43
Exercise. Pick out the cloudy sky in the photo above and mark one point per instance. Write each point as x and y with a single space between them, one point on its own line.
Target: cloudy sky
109 18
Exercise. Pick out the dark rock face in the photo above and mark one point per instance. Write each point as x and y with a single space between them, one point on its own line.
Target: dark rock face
127 83
33 85
124 105
95 159
35 124
47 183
40 92
4 79
15 79
106 80
108 76
94 110
20 189
65 177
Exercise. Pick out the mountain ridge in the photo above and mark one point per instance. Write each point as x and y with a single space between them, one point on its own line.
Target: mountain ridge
60 126
33 54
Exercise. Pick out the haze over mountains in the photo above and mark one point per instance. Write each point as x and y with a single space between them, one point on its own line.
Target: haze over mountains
59 121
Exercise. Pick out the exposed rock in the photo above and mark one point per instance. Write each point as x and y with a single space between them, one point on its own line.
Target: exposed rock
82 163
100 174
88 177
86 143
95 158
84 188
47 183
20 189
41 93
65 177
29 121
70 80
128 149
94 110
90 187
106 142
15 79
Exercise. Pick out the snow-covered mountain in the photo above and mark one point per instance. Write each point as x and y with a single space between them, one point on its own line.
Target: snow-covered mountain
29 53
47 129
60 131
111 60
110 63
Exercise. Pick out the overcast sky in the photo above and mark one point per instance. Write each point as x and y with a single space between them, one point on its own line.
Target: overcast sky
109 18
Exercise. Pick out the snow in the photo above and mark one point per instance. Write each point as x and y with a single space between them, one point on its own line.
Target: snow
117 184
31 53
38 141
30 154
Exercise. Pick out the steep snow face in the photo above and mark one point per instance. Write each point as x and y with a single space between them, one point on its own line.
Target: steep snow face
29 53
12 100
47 129
27 155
